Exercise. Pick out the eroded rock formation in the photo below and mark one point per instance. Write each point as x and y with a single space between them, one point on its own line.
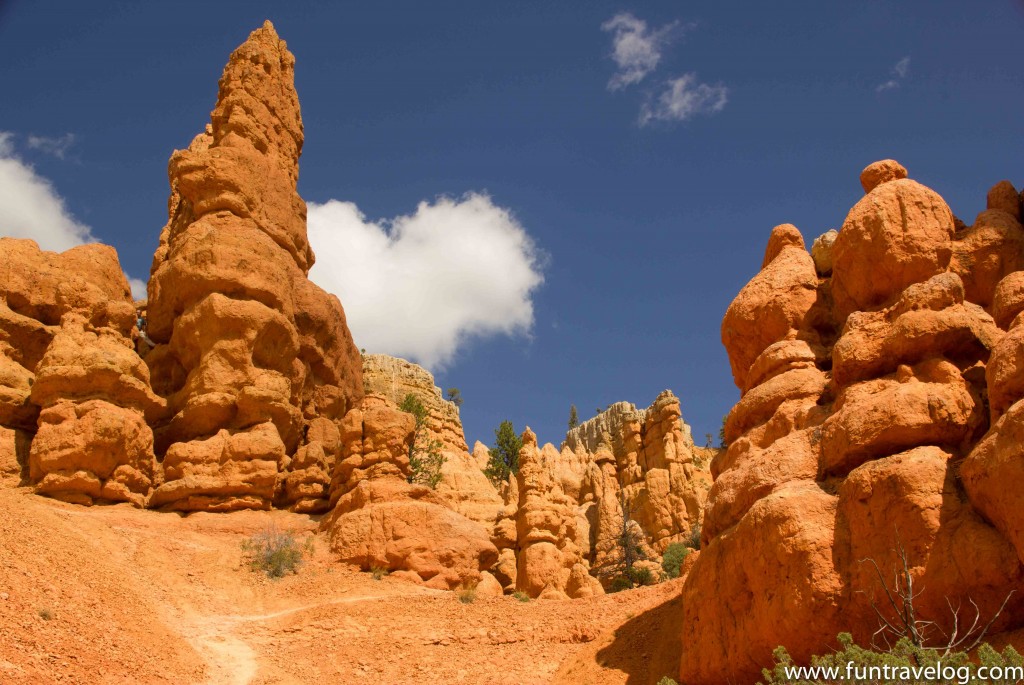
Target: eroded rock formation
880 411
463 484
380 520
567 505
75 398
395 378
254 360
250 392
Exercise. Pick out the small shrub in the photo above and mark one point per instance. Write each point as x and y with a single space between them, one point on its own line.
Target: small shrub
667 681
619 583
275 552
45 613
466 593
641 575
693 539
425 458
635 577
378 572
521 596
672 559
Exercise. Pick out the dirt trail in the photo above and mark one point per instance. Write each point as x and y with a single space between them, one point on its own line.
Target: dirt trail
116 595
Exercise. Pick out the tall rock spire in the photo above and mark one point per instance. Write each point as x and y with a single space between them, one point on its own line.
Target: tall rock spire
250 354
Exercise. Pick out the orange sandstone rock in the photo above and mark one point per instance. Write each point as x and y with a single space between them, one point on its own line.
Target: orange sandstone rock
1008 300
877 173
381 520
463 484
391 524
849 441
774 305
769 580
899 234
243 338
993 476
74 396
987 251
1005 198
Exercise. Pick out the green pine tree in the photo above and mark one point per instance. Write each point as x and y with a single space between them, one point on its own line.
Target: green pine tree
504 456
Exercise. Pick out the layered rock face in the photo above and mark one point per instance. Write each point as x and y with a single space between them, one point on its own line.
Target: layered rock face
647 458
380 520
463 485
567 505
255 361
439 537
75 398
880 411
395 378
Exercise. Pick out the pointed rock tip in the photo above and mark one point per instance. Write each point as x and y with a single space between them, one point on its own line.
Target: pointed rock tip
266 35
267 28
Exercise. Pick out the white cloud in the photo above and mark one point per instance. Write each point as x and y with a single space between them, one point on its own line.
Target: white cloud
683 98
138 288
420 286
30 207
898 73
635 49
58 147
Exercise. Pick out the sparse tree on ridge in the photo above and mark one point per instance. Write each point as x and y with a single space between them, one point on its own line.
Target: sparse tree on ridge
574 418
503 462
454 396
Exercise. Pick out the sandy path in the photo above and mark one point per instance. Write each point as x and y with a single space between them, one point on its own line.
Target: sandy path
147 597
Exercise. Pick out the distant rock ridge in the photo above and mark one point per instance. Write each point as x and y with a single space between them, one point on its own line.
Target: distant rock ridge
567 505
881 409
611 425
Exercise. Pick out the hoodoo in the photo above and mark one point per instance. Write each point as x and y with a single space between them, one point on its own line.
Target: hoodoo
255 361
880 417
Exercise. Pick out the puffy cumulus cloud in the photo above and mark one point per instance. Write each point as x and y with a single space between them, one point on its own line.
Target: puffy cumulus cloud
897 74
636 50
30 207
420 286
683 98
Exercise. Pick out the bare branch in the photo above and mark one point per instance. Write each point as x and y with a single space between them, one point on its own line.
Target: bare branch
902 597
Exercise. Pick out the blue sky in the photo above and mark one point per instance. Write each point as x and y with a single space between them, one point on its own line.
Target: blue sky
644 232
